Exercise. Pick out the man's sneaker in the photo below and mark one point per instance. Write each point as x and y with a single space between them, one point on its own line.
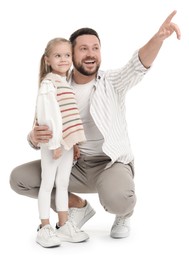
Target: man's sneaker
81 215
120 228
70 233
46 237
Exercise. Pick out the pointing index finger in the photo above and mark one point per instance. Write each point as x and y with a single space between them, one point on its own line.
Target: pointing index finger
170 17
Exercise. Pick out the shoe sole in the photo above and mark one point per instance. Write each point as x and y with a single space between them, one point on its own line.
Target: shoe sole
86 218
68 239
119 236
46 245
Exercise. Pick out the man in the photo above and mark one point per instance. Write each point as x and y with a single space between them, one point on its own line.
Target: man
105 162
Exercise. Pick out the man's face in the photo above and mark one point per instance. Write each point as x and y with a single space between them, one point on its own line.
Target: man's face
86 55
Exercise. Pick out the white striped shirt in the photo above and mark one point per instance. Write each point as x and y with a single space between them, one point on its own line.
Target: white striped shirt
108 107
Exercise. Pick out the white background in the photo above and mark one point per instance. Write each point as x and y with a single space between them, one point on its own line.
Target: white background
157 116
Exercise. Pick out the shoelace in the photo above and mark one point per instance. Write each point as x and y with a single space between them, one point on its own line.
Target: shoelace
74 225
71 217
121 221
71 213
49 230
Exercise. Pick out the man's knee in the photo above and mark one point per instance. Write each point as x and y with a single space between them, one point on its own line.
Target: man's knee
119 204
13 180
25 179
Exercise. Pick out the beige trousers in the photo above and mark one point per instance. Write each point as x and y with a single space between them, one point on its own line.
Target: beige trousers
114 185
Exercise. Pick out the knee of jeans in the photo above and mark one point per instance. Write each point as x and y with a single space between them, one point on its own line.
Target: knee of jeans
120 204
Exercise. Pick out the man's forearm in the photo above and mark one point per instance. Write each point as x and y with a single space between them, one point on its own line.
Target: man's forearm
150 50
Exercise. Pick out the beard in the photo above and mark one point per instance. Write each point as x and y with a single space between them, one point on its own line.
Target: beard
79 67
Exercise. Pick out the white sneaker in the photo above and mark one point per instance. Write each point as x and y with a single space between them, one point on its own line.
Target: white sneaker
70 233
81 215
46 237
120 228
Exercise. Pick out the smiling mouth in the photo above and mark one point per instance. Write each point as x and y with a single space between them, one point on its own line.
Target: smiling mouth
89 62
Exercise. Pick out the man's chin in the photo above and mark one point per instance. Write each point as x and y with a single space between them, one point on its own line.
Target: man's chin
87 71
90 71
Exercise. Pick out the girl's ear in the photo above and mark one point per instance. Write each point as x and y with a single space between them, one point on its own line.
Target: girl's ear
46 60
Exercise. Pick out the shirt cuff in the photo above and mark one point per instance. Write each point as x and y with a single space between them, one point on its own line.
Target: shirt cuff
138 64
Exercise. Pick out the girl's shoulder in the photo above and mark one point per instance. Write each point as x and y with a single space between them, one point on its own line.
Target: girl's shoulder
46 86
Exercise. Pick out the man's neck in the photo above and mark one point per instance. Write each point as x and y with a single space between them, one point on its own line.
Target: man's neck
80 78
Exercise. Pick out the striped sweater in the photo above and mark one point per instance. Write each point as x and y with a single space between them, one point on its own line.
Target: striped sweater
72 131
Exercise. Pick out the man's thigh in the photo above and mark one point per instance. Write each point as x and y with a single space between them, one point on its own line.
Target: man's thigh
119 176
85 173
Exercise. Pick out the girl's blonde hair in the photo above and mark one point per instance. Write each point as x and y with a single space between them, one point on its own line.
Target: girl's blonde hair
44 68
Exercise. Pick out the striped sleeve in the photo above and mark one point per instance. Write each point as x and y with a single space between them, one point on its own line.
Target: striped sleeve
128 76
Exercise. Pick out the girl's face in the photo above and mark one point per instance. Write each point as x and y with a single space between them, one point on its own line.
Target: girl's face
60 58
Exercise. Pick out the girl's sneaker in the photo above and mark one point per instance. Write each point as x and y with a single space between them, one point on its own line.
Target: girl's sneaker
69 232
46 237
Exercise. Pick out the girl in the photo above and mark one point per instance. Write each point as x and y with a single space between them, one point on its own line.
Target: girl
56 107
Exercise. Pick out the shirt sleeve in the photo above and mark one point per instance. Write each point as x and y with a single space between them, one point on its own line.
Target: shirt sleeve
48 112
128 76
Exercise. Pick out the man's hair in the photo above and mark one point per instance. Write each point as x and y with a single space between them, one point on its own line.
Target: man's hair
82 31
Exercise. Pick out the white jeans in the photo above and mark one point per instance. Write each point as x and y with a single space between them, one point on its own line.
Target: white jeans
54 172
